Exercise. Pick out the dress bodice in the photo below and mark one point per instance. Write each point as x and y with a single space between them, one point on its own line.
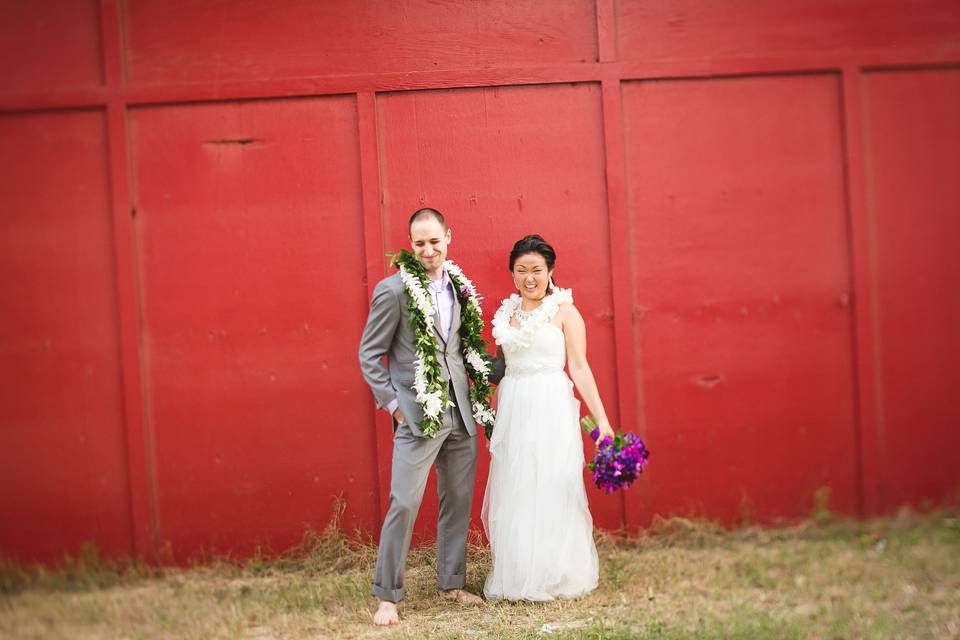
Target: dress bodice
538 345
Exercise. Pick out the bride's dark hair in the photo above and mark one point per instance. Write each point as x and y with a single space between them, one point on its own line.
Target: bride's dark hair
533 243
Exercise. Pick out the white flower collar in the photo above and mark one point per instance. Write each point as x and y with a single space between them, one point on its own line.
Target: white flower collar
513 339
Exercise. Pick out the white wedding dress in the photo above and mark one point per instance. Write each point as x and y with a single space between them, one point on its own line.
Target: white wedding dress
535 507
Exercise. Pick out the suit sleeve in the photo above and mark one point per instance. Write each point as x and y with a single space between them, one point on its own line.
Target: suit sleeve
498 367
381 327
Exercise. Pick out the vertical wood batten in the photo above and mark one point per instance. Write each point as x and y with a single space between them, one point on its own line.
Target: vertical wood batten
866 313
620 270
606 31
619 247
143 512
618 225
374 261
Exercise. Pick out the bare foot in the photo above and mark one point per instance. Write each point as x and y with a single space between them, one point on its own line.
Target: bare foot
461 596
386 614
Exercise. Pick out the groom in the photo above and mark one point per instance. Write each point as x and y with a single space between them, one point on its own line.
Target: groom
453 449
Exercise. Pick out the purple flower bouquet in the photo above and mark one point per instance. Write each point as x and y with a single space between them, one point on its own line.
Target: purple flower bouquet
619 461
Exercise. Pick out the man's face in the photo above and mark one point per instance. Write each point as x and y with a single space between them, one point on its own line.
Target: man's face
429 241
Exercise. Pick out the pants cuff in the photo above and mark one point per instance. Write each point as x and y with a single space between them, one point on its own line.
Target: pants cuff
451 582
390 595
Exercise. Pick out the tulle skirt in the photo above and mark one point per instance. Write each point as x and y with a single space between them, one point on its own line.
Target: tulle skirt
535 507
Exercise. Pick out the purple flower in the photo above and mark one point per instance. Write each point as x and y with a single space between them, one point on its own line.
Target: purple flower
618 461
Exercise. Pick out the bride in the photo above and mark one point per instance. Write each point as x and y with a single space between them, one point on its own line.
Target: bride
535 507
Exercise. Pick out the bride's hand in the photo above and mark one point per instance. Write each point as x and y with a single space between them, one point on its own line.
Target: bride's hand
606 431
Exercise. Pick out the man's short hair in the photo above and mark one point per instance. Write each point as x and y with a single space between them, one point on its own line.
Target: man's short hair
426 212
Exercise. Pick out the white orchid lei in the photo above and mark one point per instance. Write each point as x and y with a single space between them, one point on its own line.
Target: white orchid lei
428 382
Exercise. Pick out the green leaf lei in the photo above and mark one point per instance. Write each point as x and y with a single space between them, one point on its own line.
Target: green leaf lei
428 380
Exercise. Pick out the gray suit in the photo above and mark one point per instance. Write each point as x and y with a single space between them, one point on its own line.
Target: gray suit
454 449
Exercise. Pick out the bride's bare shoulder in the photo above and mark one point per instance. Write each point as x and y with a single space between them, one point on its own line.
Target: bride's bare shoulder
567 312
566 306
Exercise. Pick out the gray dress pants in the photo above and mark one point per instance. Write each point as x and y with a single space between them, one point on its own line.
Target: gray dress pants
455 453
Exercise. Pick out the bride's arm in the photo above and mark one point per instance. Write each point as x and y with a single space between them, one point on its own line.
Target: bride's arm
575 336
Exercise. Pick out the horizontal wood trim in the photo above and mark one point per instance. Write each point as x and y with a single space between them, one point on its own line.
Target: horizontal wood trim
69 98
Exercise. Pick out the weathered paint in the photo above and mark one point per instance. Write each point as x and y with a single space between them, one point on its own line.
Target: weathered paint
742 287
63 468
254 399
913 155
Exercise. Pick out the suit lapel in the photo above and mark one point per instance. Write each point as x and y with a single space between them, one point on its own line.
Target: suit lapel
455 321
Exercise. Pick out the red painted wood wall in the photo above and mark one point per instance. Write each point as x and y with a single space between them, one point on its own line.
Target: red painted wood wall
755 203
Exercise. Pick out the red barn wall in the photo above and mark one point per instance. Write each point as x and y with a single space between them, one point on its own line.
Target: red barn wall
755 204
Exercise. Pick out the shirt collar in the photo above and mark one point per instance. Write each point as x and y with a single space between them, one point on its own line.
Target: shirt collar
444 284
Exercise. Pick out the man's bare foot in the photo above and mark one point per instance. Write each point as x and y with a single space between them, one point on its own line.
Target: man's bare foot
386 614
461 596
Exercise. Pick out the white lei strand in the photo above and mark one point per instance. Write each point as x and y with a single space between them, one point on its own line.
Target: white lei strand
513 339
483 416
479 363
431 401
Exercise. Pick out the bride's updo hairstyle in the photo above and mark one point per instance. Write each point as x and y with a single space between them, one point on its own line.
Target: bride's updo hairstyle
533 243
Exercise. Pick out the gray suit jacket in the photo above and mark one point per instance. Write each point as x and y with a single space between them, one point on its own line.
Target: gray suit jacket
388 333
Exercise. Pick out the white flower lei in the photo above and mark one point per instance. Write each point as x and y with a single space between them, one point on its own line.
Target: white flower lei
432 397
512 339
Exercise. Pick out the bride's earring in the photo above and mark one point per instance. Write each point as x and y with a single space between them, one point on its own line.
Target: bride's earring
551 286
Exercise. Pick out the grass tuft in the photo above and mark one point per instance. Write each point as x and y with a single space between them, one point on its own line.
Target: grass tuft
321 552
85 571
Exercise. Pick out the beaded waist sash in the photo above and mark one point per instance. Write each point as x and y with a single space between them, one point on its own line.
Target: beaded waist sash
515 370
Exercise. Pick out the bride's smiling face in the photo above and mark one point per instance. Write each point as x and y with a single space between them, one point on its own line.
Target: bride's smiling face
531 276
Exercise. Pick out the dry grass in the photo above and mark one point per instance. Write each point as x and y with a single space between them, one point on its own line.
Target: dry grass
894 578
